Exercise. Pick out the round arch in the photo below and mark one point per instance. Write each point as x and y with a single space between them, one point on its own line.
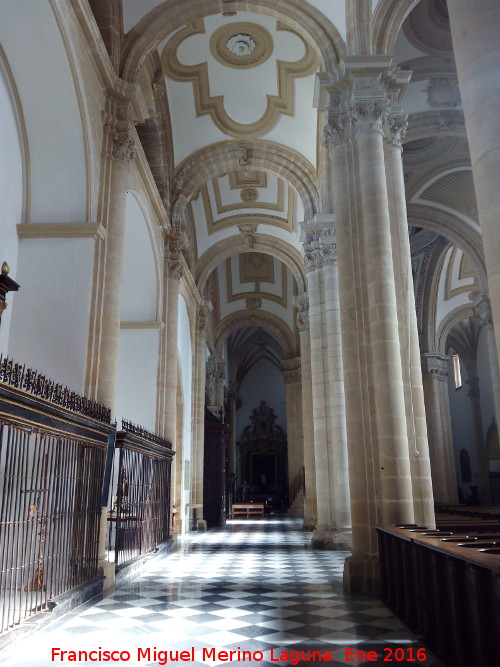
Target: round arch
446 326
268 321
447 225
170 15
387 22
233 245
226 156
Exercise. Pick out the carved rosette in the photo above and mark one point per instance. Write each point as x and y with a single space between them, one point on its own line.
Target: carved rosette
368 115
254 303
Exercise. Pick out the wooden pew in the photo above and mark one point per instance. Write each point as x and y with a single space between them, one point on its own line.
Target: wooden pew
247 510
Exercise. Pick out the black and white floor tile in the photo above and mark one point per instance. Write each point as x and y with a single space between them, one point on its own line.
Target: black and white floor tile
254 587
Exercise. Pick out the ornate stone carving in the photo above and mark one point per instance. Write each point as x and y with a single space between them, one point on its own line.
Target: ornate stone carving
249 195
254 302
292 376
202 320
248 230
310 262
443 93
303 320
482 309
241 45
124 147
328 254
175 269
368 115
436 366
397 126
333 132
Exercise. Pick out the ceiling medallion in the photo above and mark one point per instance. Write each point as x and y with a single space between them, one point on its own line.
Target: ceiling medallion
249 195
241 45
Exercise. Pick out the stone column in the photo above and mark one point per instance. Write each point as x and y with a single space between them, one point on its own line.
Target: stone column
474 394
474 29
482 308
311 505
390 411
334 386
199 378
167 394
293 398
435 371
407 323
121 144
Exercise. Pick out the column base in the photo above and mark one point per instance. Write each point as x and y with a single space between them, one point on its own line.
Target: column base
361 575
333 539
107 570
309 524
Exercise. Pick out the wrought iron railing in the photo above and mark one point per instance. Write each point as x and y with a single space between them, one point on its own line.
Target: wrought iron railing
52 455
139 517
298 485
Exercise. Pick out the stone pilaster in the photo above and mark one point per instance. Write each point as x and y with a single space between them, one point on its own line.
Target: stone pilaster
474 29
435 372
311 505
199 379
119 149
293 397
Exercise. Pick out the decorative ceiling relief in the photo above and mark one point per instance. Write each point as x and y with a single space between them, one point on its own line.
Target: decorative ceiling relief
460 274
241 46
246 278
230 192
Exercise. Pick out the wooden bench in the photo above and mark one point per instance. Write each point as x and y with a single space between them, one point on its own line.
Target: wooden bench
247 510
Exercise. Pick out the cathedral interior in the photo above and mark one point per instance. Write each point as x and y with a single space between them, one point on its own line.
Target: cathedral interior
251 273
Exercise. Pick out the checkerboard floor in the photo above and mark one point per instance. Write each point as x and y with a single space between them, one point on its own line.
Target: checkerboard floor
253 586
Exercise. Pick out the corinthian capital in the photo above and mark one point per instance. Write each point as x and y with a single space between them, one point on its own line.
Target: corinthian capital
310 261
368 115
328 254
397 125
333 131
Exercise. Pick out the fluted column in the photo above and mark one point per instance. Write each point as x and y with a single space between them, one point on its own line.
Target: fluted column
435 371
423 501
120 143
475 26
311 505
199 377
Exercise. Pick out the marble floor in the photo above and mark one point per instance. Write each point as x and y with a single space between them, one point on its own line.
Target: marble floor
255 588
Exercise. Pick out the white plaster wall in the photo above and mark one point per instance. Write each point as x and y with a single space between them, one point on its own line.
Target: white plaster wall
139 294
30 36
11 195
264 382
137 376
185 352
50 313
462 429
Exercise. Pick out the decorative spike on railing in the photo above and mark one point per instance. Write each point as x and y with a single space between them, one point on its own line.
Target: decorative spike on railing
145 434
33 382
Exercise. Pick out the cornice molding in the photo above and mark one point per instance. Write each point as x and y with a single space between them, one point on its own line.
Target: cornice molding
61 230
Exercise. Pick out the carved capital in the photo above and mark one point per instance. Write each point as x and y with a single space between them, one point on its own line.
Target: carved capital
396 129
435 366
303 320
124 146
328 254
310 261
202 319
368 115
482 309
334 131
175 269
